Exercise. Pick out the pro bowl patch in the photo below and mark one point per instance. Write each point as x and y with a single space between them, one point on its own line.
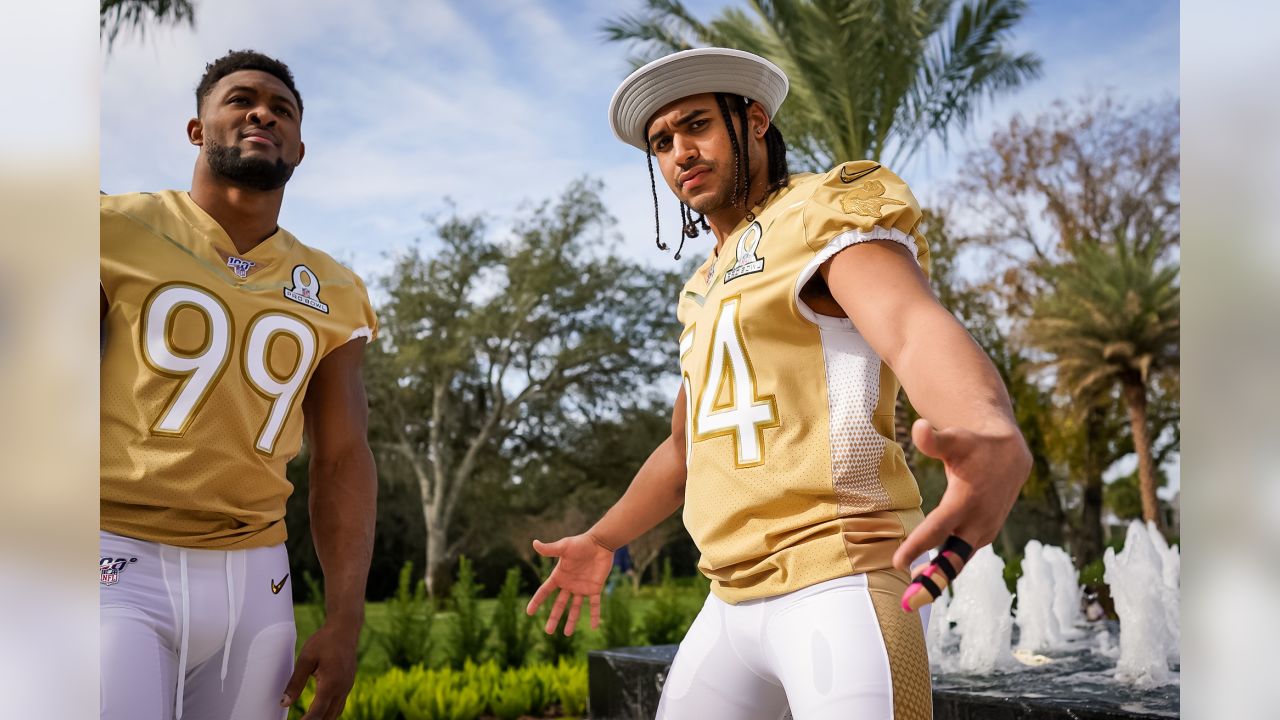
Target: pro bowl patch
748 262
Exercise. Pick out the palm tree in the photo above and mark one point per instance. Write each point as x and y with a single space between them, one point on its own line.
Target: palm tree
867 76
1110 319
115 15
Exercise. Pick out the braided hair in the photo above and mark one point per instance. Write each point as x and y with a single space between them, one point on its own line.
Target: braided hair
777 176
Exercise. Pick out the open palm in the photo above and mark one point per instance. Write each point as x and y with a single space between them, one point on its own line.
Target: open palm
581 570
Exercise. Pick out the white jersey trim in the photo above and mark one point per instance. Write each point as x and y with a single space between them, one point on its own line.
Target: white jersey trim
362 332
846 239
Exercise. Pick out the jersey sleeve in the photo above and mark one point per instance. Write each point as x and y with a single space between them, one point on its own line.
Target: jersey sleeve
366 324
110 222
861 201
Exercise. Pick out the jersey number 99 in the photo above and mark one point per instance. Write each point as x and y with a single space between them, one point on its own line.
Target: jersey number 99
200 371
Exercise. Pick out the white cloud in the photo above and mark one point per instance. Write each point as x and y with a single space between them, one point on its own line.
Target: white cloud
490 104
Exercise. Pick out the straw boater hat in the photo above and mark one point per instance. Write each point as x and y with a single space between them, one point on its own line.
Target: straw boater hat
692 72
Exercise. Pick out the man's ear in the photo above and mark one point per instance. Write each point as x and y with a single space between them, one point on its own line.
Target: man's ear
195 132
757 119
302 151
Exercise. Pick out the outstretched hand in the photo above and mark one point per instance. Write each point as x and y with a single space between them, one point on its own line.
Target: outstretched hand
985 471
581 569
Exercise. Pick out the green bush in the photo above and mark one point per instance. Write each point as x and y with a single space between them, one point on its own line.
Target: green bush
1091 574
669 617
374 698
616 620
444 694
468 634
538 681
1012 571
410 616
476 691
516 695
512 627
571 687
314 607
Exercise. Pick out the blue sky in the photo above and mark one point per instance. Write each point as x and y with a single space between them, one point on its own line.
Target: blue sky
498 103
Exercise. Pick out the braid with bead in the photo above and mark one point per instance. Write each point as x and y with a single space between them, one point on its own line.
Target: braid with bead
779 173
746 154
653 188
739 196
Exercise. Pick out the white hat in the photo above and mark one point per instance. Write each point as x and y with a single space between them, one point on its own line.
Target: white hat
692 72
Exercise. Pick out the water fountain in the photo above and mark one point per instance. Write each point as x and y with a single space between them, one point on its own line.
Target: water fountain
1063 663
1053 665
1066 592
1144 583
1041 629
979 610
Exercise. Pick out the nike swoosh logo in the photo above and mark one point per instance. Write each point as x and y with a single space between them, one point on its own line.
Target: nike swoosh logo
275 589
846 177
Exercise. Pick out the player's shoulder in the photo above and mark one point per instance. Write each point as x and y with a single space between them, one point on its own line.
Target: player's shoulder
323 265
847 181
863 197
861 176
136 205
862 188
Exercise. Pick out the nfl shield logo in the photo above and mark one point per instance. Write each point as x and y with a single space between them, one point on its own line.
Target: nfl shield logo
110 569
240 266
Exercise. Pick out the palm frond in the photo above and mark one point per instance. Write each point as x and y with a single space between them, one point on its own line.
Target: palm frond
966 63
117 15
866 76
1111 316
663 27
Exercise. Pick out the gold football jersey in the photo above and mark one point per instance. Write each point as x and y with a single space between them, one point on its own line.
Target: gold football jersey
206 360
793 473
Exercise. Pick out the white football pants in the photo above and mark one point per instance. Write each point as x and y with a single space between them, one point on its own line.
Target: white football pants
193 634
835 650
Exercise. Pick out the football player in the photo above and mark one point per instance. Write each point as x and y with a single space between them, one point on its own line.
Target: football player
226 340
810 307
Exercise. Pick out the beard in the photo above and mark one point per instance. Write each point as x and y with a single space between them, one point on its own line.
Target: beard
721 198
251 173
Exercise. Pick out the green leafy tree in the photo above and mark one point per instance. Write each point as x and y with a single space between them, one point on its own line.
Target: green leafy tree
488 342
571 477
1112 320
117 15
866 78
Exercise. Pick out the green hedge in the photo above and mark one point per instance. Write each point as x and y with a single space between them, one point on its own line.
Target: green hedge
541 690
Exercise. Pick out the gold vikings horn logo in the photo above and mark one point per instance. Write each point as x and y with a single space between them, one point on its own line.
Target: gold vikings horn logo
748 262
